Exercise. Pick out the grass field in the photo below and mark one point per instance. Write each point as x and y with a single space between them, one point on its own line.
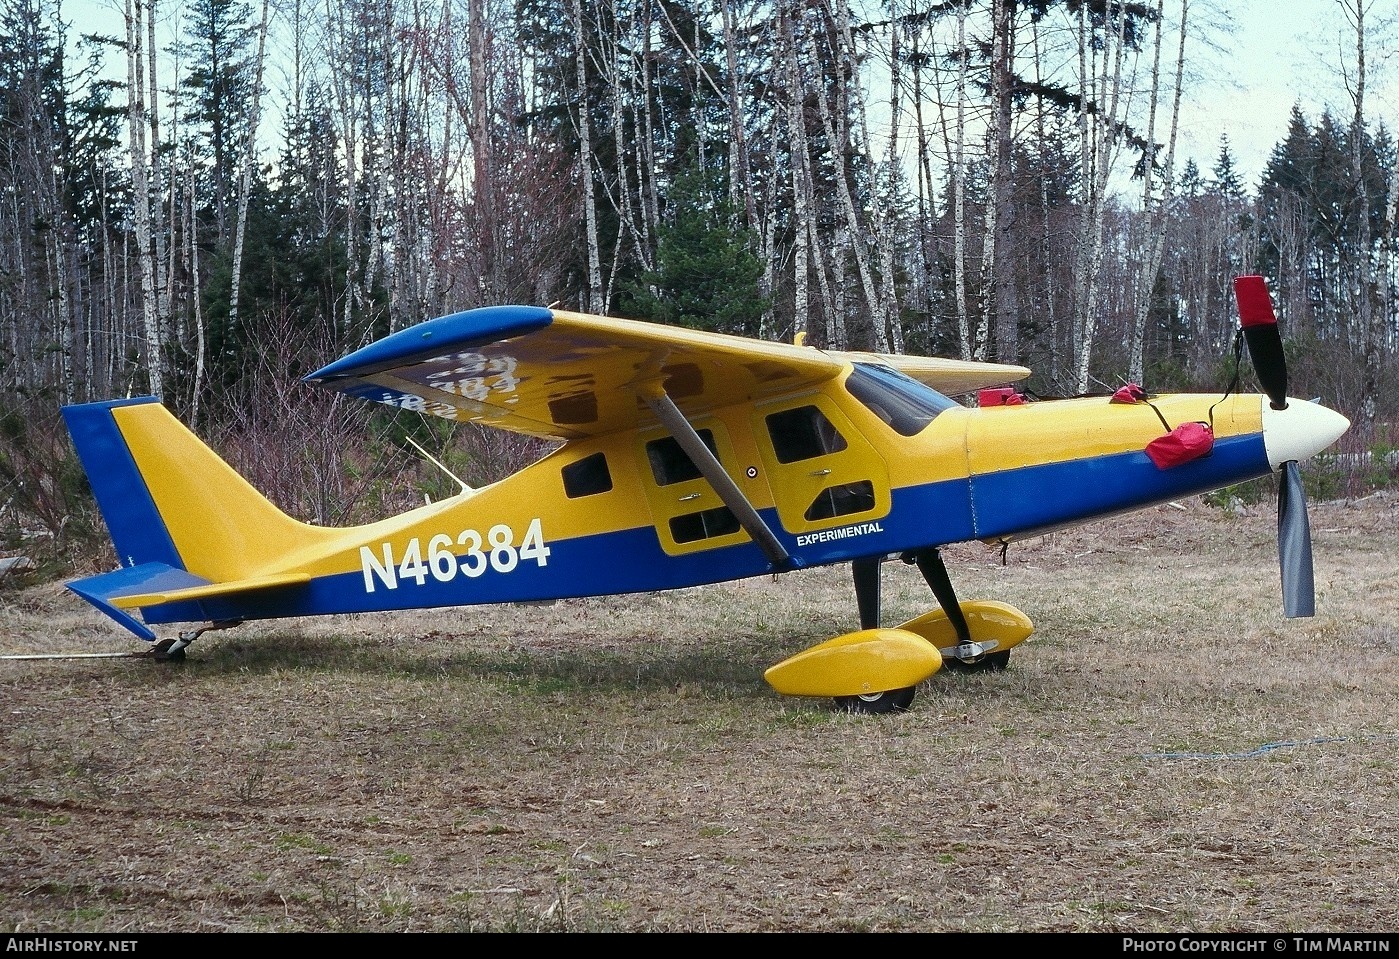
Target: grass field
1166 753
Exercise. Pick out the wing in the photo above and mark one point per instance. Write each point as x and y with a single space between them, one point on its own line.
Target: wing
564 375
953 377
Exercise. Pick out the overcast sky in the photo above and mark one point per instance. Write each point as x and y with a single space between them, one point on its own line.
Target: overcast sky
1274 54
1252 60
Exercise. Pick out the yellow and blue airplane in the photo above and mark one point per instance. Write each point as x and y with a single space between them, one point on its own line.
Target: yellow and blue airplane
685 458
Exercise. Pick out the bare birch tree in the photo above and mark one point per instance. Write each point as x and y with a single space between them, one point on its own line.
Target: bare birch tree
1000 307
803 226
1100 99
1156 206
970 347
245 166
1363 295
837 137
138 149
1387 259
595 300
163 275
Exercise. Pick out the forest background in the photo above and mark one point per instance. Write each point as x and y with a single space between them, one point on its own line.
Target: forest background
212 216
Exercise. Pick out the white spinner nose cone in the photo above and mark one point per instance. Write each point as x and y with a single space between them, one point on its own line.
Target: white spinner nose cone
1300 430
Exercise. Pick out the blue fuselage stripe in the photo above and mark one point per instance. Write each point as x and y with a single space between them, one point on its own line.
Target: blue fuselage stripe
1039 497
935 514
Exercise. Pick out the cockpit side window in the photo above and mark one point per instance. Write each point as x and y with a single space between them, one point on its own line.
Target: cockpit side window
901 401
803 433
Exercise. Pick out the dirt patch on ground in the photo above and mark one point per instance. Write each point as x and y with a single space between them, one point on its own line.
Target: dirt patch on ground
1166 753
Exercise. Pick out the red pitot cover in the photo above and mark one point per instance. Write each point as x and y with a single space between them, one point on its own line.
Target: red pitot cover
1188 441
1131 393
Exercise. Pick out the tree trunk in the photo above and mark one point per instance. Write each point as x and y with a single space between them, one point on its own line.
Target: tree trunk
141 198
959 194
342 67
192 238
1003 301
1156 209
1387 260
163 277
740 170
483 183
1097 148
245 172
885 219
839 143
803 227
1371 321
585 163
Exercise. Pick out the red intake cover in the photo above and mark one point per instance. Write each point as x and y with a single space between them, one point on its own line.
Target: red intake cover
1131 393
1188 441
999 396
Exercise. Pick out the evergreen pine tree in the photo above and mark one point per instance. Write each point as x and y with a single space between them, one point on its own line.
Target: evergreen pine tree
1225 177
707 272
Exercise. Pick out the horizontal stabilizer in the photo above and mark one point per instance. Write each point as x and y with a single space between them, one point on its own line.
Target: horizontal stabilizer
107 590
209 590
156 584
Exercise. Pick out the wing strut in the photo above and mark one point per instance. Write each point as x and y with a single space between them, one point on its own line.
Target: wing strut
671 417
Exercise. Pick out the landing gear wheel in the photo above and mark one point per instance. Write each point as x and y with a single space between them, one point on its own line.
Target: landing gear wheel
990 663
889 701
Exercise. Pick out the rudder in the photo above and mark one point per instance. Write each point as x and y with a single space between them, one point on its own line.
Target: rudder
138 533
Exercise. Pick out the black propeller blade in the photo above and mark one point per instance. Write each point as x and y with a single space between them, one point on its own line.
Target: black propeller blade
1295 545
1260 326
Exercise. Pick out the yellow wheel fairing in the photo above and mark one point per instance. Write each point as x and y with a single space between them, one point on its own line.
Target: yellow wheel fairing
988 621
857 664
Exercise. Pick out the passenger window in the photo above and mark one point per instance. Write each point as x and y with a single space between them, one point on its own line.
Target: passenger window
705 524
802 434
587 476
842 501
671 464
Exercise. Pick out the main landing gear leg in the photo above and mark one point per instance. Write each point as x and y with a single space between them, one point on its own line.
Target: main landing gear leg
934 571
867 590
866 573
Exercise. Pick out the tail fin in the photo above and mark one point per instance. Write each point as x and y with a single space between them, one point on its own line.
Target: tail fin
180 518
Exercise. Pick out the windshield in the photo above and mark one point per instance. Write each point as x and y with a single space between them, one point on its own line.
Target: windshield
905 404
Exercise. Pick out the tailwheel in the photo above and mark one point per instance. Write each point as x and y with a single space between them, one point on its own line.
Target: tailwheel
173 650
169 651
990 663
889 701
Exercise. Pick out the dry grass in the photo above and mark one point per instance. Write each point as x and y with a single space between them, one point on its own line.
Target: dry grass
1167 753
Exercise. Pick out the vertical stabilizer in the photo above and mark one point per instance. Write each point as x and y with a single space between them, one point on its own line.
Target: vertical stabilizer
168 499
137 531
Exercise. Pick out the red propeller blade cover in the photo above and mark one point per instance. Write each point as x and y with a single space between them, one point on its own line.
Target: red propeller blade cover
1255 305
